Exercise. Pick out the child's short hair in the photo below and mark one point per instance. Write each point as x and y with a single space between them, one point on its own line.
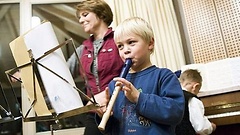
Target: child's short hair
192 75
135 25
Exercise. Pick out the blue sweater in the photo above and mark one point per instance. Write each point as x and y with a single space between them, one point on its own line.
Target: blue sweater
159 109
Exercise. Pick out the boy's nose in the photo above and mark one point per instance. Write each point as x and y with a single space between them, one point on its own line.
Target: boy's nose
127 51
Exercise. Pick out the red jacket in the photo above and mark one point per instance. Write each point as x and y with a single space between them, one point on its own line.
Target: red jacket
109 62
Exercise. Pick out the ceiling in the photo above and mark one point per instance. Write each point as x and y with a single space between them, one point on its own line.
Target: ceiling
61 16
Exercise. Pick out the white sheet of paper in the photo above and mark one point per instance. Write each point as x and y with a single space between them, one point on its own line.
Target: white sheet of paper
218 76
63 97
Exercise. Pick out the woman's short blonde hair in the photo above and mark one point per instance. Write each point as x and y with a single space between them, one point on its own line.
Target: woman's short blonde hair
99 7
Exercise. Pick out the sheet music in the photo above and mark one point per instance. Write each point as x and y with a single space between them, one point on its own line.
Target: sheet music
223 74
63 97
218 76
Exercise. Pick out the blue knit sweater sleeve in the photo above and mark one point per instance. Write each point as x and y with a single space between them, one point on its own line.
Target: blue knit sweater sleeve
166 103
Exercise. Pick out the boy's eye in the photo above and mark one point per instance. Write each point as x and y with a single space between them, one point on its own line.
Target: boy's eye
131 42
120 47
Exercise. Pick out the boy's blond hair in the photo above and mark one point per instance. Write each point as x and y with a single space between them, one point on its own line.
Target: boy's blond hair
135 25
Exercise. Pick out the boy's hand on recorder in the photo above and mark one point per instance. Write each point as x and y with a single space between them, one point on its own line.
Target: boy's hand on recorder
130 91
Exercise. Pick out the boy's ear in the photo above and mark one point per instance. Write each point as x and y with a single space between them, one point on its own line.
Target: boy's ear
151 44
196 86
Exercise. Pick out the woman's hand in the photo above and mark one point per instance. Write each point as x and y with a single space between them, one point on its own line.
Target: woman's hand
102 99
17 75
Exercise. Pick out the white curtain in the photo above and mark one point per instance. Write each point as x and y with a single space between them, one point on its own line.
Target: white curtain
161 16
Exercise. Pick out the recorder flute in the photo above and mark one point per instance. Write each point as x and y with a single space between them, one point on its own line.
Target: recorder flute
106 115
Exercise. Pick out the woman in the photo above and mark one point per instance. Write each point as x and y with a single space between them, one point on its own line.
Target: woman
99 57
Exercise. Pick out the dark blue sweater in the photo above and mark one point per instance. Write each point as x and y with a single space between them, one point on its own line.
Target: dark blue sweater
159 109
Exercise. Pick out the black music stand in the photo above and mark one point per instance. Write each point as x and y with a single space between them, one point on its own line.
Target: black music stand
8 115
34 63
